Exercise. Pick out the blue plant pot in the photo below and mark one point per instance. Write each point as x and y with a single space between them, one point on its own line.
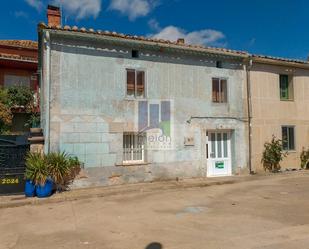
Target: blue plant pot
43 191
29 188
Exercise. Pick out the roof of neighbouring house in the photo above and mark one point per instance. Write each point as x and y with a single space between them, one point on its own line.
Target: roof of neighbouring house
20 44
18 57
280 59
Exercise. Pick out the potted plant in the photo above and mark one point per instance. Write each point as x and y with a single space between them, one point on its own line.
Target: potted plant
43 172
63 169
34 123
37 175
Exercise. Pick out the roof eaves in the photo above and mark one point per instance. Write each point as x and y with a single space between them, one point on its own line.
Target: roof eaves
113 36
280 61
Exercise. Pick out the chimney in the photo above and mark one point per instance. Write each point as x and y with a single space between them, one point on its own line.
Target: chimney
53 16
181 41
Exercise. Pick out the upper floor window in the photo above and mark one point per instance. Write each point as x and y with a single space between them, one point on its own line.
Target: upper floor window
135 83
286 87
135 53
219 90
288 137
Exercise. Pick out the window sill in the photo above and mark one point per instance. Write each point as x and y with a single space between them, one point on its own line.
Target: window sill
287 100
290 151
134 98
132 164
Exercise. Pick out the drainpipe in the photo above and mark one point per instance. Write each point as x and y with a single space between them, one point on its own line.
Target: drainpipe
249 107
47 92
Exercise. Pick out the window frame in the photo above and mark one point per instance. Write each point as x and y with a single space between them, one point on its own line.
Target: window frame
289 87
288 147
212 90
133 149
135 96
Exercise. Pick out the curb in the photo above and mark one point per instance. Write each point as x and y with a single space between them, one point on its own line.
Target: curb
104 191
75 195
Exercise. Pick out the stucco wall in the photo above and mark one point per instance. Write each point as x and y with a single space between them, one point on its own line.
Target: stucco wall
89 110
270 113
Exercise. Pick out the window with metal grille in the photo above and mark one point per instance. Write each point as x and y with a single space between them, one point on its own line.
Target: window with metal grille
135 83
288 137
134 147
286 87
219 90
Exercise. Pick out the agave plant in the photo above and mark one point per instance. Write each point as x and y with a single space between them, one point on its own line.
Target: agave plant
62 168
58 167
36 168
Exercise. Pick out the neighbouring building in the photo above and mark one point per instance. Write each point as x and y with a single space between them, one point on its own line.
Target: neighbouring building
280 101
138 109
19 67
19 63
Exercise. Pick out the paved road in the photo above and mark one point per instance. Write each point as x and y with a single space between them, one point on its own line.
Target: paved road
268 213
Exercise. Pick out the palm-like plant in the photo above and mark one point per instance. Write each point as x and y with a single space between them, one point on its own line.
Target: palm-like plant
36 169
58 167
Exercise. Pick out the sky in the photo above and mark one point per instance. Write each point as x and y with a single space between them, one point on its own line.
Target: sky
267 27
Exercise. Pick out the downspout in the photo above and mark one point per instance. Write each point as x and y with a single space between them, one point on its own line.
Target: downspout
47 92
249 107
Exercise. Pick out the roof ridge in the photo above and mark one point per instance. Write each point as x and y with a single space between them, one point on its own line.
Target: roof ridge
135 37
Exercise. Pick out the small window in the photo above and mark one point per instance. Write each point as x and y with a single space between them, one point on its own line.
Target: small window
135 83
219 90
135 53
219 64
288 137
286 87
16 80
133 147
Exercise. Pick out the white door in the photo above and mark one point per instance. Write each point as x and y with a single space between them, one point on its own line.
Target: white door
219 154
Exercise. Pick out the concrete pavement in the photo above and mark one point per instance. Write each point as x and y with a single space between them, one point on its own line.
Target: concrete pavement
263 213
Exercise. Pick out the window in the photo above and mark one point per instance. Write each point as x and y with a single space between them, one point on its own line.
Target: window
133 147
135 83
286 87
135 54
219 90
219 64
16 80
288 138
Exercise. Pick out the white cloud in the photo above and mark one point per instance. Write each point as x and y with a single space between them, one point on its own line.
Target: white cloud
37 4
133 8
208 37
154 25
80 8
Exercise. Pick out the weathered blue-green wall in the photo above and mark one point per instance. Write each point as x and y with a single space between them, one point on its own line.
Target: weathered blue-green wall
89 110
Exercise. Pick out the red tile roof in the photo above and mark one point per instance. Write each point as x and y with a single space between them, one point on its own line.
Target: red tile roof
20 43
161 41
141 38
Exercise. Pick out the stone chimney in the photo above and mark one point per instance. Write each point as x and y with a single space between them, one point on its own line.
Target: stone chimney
181 41
53 16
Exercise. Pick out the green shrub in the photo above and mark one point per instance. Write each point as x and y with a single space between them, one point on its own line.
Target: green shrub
19 96
304 158
273 154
